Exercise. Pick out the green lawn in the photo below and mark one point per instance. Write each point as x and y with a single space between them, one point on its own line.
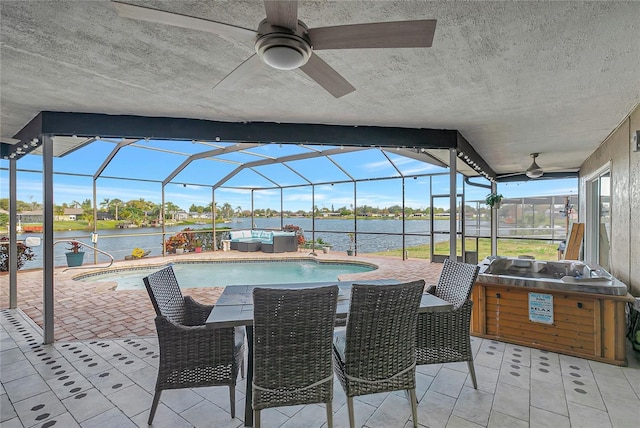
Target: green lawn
104 225
541 250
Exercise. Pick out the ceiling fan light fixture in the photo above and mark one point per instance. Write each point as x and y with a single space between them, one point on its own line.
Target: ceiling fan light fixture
534 171
284 58
283 50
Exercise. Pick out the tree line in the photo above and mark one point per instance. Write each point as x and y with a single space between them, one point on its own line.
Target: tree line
140 211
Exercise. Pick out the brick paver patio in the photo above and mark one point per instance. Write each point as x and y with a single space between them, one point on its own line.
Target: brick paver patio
85 310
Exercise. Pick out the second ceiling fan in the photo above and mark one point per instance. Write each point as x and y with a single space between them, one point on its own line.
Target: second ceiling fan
284 42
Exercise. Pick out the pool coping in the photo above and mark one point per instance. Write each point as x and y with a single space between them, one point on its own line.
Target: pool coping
97 272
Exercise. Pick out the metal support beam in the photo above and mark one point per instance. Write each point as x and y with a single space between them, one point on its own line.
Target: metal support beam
137 127
453 159
163 218
95 219
281 208
313 220
404 238
47 235
13 235
214 214
355 218
494 224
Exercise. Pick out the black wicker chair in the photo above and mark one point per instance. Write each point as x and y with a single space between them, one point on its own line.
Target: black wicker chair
190 354
292 345
376 352
443 337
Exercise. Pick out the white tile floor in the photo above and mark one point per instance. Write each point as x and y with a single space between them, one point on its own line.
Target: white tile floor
109 383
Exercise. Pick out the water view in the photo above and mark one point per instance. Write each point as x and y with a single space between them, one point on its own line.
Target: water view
373 235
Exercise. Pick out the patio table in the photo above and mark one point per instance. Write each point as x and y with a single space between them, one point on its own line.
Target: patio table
234 308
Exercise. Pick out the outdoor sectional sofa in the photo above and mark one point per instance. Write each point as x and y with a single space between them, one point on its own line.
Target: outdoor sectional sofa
266 240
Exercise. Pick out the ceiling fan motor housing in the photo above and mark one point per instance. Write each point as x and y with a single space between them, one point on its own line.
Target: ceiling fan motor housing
283 48
534 171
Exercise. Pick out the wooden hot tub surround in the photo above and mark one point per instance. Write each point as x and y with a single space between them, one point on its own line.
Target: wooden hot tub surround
535 307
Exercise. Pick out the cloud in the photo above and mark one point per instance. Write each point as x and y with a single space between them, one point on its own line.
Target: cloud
377 193
420 169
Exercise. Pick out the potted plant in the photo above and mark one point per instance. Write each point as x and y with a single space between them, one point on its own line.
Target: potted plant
352 239
75 257
318 244
326 247
197 246
493 200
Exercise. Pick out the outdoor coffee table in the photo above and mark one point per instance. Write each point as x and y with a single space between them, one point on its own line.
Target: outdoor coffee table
249 246
234 308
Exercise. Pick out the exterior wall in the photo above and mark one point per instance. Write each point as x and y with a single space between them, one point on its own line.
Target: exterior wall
625 199
634 212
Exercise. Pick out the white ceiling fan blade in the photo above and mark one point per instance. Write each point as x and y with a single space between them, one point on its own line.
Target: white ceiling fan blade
183 21
327 77
241 73
397 34
282 13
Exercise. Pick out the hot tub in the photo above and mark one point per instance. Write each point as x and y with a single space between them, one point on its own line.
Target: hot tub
562 275
569 307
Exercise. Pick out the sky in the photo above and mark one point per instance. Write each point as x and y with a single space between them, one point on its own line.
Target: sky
156 160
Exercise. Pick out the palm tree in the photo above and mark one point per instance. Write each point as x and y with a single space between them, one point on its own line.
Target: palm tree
87 211
115 203
172 209
59 211
227 211
105 204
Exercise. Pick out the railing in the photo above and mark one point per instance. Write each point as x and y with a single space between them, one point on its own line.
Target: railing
411 243
88 246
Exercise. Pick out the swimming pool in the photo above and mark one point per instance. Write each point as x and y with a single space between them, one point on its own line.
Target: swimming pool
220 274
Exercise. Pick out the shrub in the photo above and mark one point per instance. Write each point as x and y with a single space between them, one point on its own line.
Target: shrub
137 253
74 246
299 232
25 254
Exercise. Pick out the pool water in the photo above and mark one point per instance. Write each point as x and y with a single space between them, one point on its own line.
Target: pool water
220 274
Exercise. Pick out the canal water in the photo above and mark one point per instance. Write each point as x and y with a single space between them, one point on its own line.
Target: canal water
372 236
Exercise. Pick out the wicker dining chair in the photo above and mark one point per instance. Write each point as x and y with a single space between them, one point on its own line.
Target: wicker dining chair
376 351
443 337
191 355
292 345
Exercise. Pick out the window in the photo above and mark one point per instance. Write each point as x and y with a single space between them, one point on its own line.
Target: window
598 220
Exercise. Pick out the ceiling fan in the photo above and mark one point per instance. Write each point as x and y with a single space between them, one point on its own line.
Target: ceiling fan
286 43
534 171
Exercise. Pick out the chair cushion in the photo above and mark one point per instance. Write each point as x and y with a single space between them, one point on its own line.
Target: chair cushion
235 234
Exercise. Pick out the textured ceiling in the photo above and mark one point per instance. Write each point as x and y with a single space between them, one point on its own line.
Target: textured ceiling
512 77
